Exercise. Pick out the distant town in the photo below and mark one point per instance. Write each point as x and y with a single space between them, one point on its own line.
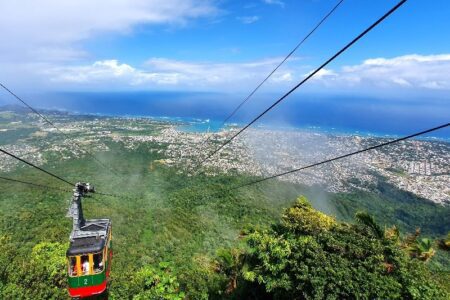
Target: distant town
417 166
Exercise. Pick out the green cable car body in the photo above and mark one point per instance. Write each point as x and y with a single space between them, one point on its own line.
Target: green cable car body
90 251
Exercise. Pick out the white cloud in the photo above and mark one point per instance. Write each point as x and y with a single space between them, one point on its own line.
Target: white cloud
214 72
161 72
283 77
52 27
110 72
408 72
427 74
276 2
248 19
323 74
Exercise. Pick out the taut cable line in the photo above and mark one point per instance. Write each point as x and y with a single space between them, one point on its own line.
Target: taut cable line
340 157
36 167
48 173
82 149
367 30
34 184
277 67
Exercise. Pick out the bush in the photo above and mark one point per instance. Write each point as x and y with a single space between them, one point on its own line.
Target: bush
312 256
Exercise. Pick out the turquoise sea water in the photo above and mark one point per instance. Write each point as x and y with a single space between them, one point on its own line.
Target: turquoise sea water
202 112
207 125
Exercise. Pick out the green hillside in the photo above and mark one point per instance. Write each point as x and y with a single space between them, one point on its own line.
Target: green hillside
167 226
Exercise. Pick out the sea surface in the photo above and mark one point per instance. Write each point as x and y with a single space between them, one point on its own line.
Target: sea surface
201 112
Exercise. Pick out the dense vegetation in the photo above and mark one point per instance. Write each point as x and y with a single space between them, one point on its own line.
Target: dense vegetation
177 238
310 255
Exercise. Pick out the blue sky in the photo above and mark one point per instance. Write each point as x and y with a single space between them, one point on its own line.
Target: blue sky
223 46
245 32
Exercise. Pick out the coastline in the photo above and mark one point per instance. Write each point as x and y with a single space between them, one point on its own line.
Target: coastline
199 125
211 125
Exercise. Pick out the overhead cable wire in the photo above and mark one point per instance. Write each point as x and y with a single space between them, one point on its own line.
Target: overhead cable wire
36 167
278 66
274 70
367 30
82 149
341 157
47 172
54 188
33 184
39 168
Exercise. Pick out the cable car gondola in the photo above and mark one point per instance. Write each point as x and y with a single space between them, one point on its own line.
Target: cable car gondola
90 251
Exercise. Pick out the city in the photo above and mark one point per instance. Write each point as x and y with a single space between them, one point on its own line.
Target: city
417 166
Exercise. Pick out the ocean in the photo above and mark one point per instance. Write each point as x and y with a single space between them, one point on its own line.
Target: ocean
206 111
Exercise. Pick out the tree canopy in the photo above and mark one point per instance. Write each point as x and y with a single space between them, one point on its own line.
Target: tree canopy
305 255
310 255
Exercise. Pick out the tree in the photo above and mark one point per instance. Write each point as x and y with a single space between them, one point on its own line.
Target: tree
6 254
150 282
419 248
312 256
369 222
444 243
422 249
42 275
229 263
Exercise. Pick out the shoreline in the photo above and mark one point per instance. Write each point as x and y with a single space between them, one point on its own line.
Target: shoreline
198 125
205 125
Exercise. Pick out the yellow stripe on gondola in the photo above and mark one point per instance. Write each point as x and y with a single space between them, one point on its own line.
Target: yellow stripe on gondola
78 258
91 264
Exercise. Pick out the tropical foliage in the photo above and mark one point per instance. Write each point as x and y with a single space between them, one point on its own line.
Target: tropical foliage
312 256
41 276
149 283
